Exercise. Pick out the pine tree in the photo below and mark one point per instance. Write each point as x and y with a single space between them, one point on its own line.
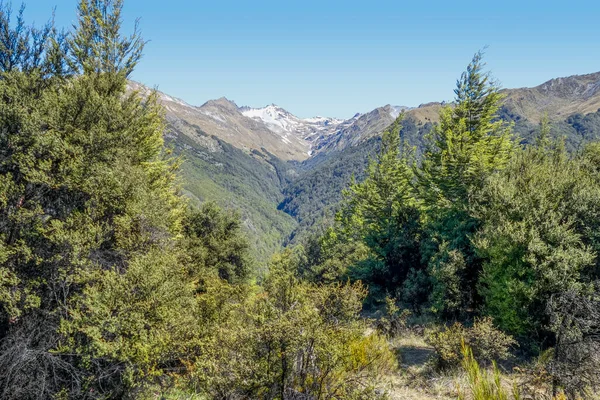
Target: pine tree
468 145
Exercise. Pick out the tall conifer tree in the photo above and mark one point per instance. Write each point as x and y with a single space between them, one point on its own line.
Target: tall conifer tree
468 145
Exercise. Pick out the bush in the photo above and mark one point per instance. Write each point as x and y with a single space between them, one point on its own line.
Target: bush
486 342
575 365
293 339
485 386
539 235
395 321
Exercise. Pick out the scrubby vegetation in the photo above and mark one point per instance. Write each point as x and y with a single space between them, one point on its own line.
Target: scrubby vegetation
113 286
480 232
485 342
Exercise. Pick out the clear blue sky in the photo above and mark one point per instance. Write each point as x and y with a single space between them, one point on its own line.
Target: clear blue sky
336 58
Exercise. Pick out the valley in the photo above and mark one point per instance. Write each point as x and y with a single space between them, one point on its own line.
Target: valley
286 174
155 249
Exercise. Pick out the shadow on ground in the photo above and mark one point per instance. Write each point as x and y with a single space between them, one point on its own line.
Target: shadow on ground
411 356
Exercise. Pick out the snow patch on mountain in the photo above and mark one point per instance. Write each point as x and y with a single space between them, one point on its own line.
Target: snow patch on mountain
167 98
397 110
291 127
275 117
213 115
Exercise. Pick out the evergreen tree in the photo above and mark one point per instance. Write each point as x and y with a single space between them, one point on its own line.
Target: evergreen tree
382 213
330 256
468 145
87 203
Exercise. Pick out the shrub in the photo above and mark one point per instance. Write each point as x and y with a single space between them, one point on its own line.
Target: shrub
485 386
446 344
539 235
394 320
293 339
489 343
575 364
486 342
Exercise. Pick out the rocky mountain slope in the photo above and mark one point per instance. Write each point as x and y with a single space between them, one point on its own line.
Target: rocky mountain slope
309 131
223 119
272 129
322 134
284 173
360 128
559 98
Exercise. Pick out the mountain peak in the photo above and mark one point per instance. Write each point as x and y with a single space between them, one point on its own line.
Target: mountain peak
221 102
291 127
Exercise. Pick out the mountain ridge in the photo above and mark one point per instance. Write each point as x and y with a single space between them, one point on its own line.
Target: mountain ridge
279 132
285 173
223 119
558 97
273 128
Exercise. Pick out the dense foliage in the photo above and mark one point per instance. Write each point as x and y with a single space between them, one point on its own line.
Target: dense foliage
382 212
480 227
486 343
539 235
113 286
294 339
468 146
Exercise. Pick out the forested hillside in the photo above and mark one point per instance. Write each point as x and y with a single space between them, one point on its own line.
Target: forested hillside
285 175
313 197
462 261
249 182
317 190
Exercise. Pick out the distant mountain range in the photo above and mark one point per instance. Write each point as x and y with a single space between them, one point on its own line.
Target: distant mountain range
284 172
272 128
223 119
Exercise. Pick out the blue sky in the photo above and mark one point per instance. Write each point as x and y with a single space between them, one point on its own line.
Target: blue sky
336 58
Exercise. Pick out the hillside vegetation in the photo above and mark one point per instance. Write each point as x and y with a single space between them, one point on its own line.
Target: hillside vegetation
256 144
316 192
250 183
464 263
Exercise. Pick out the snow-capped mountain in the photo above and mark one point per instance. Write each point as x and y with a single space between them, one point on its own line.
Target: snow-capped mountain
291 127
271 128
317 131
222 119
